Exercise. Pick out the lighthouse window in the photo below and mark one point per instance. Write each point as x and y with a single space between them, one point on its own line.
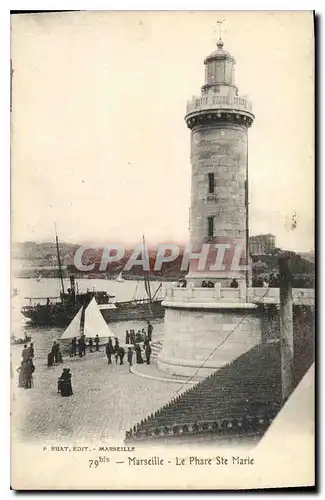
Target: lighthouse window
211 182
210 226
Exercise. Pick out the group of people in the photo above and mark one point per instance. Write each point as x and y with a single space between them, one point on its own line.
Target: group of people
138 353
116 350
64 383
55 355
79 346
207 284
26 368
134 341
181 283
138 343
141 336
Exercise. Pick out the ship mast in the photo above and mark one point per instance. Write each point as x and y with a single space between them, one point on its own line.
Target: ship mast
146 274
59 262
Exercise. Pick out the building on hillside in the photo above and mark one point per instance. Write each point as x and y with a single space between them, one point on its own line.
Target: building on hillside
262 244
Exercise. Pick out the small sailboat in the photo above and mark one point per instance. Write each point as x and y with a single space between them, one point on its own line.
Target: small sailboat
120 279
89 324
74 328
95 324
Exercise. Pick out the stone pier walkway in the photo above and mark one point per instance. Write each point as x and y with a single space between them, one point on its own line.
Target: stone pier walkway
107 400
152 372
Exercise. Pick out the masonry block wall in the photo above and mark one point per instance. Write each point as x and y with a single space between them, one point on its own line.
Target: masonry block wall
192 336
220 149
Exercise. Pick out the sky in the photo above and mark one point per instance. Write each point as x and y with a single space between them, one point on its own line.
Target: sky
99 142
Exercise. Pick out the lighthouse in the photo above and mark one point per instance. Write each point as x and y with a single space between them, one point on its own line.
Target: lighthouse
207 327
219 120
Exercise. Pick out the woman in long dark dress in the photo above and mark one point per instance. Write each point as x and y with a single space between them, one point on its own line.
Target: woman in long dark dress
21 377
148 353
50 359
138 354
121 354
64 383
29 370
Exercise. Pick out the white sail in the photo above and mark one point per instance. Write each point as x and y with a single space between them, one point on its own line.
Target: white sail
120 278
73 330
95 323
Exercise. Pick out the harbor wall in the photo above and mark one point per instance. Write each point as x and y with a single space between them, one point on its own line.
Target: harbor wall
193 337
201 338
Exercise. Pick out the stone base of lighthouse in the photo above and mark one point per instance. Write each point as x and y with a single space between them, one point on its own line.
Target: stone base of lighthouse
202 336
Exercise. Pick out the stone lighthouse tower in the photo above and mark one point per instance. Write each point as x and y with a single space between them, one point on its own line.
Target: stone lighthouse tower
219 120
207 327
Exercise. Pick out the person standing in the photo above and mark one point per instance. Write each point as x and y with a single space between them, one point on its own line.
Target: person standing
234 283
21 377
138 354
64 383
127 337
148 353
108 351
150 330
29 370
59 354
97 343
55 352
130 355
83 344
74 346
121 353
24 353
90 343
31 351
116 348
80 348
50 359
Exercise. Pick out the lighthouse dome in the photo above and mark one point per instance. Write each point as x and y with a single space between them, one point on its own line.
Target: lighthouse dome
219 70
220 53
